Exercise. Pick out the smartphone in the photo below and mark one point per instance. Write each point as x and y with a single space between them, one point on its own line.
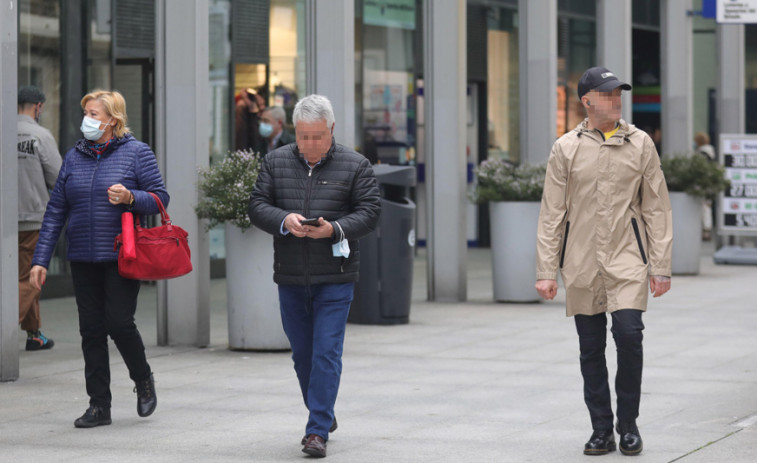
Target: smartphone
311 222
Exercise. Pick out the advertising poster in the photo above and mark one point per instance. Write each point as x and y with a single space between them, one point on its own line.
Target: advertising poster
738 205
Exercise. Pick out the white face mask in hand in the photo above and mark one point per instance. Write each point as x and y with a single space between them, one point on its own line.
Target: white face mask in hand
342 248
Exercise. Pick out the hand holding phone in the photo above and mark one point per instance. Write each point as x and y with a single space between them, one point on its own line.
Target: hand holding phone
312 222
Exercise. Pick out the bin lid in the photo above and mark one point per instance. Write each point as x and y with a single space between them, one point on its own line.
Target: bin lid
395 175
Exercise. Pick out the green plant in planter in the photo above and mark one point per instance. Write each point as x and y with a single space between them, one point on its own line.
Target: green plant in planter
225 189
694 174
499 180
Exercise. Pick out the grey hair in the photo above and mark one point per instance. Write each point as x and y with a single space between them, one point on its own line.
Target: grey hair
313 108
277 112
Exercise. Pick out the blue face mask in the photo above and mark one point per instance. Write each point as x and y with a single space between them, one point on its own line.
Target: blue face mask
265 129
90 128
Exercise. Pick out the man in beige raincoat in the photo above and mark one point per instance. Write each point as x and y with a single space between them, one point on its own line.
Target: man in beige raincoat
606 224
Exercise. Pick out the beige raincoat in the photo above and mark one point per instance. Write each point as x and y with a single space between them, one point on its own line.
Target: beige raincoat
605 220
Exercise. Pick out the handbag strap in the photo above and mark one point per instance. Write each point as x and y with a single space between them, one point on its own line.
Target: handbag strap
165 219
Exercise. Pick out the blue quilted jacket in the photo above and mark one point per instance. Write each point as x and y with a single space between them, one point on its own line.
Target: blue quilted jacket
80 197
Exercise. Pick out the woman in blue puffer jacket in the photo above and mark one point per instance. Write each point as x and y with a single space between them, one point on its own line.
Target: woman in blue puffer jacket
105 174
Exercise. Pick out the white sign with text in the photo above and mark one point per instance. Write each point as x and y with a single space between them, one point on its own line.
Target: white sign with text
736 11
738 204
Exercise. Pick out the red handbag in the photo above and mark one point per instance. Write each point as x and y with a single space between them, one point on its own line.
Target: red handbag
161 252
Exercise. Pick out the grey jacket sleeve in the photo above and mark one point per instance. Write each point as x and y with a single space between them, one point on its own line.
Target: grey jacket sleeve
50 158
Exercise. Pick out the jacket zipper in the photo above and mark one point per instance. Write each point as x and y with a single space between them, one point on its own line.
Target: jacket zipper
564 243
306 210
638 239
92 206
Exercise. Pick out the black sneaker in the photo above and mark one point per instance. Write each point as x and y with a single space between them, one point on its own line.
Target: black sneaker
146 398
94 416
38 341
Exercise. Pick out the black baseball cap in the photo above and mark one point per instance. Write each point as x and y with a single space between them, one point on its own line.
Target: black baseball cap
30 94
599 79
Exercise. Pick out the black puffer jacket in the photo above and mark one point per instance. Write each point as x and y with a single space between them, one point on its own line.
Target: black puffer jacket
342 188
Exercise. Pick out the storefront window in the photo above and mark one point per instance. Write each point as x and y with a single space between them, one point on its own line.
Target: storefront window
245 78
287 54
65 51
386 75
503 100
219 60
39 57
576 52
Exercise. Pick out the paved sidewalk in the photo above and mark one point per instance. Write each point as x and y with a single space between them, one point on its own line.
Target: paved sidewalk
471 382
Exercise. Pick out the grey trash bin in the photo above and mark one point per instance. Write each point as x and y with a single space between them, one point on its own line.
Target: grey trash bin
382 296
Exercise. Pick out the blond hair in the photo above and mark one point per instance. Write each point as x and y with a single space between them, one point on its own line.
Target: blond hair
701 138
115 106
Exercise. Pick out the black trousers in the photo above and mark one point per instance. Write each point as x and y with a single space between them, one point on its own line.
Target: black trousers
592 334
107 303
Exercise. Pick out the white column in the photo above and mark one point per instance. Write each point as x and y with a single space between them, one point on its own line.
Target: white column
445 109
8 192
330 59
731 83
182 125
614 48
537 31
677 93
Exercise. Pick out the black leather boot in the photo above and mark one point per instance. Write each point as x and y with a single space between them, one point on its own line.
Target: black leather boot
146 398
601 442
94 416
630 439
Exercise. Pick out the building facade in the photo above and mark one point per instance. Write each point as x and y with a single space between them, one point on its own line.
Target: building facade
183 66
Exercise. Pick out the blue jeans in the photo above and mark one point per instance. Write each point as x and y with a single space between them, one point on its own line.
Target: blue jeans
314 319
627 330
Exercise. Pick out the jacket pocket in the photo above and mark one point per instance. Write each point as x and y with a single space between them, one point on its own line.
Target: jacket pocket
332 182
564 244
638 240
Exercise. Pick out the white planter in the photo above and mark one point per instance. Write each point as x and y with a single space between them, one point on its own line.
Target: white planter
687 233
252 296
513 238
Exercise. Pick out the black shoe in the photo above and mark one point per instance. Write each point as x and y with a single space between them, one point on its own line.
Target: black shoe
601 442
630 439
38 341
94 416
333 427
315 446
146 398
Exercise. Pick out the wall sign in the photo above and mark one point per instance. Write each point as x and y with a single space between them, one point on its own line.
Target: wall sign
736 11
738 205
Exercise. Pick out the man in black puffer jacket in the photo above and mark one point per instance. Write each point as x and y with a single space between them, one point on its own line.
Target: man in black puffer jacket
316 261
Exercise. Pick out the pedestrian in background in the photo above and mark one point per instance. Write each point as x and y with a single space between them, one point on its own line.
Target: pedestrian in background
106 173
606 224
703 147
272 130
38 165
316 198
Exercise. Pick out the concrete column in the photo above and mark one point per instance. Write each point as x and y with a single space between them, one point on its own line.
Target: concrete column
8 191
330 61
731 85
445 111
182 122
537 31
677 93
614 48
